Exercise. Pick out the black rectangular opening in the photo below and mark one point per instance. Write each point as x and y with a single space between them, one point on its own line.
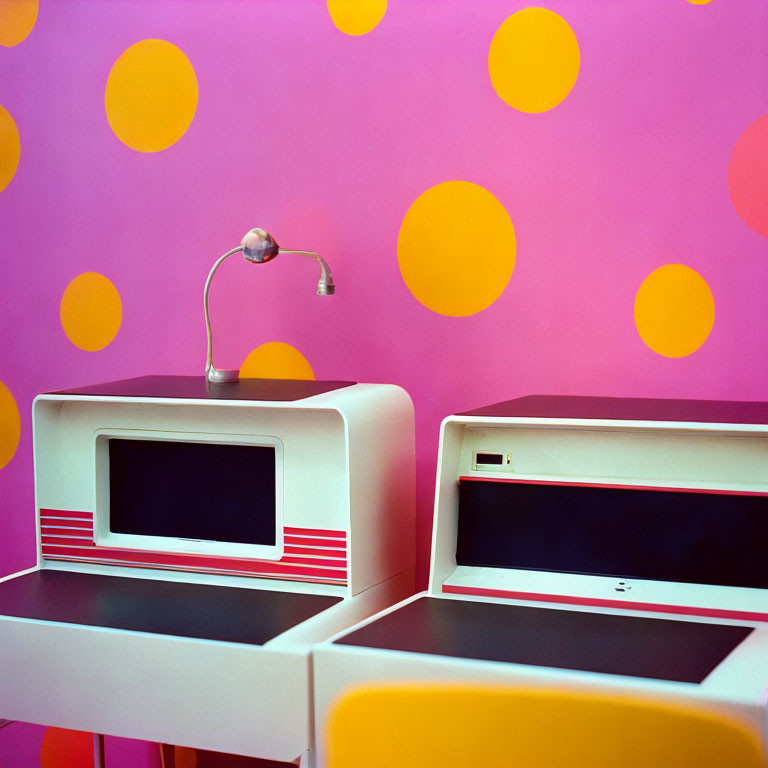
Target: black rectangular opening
199 491
489 458
665 535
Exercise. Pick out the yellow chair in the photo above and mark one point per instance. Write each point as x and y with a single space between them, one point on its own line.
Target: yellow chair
456 726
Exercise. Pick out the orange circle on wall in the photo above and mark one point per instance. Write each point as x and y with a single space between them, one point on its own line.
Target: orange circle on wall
10 425
91 311
10 148
356 17
456 248
534 60
151 95
66 749
674 310
17 19
276 360
748 176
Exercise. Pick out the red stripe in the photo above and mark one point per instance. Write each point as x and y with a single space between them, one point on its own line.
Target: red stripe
67 513
319 542
314 532
195 561
335 563
290 550
609 485
71 538
71 541
687 610
86 524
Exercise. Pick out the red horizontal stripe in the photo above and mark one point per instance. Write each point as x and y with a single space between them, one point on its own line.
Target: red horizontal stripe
195 561
315 542
314 532
86 524
290 550
67 513
571 484
335 563
687 610
71 541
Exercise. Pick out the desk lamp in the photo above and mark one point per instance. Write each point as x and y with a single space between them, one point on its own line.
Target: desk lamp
258 247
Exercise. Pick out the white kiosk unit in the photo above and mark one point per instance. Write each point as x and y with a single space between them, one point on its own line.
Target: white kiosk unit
594 543
196 540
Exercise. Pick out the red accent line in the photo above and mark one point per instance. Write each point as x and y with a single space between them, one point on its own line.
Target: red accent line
572 484
195 561
314 532
335 563
72 541
75 533
87 524
319 542
66 513
290 550
687 610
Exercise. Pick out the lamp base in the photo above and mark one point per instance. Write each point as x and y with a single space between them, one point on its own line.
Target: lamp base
215 376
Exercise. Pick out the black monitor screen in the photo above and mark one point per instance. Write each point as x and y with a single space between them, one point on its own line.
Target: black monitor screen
664 535
202 491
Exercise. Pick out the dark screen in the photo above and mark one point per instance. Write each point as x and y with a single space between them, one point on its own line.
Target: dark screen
192 490
701 538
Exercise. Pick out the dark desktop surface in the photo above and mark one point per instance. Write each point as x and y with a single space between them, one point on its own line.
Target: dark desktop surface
197 388
203 611
661 649
626 409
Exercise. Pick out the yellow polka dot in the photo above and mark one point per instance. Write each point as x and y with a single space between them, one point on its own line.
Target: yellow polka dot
151 95
699 2
534 60
17 18
276 360
356 17
674 310
10 425
91 311
456 248
10 148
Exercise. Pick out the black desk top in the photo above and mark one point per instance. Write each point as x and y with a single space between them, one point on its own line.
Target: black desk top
662 649
229 614
197 388
627 409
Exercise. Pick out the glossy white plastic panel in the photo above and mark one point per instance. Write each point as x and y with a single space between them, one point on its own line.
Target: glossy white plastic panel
723 457
348 460
222 696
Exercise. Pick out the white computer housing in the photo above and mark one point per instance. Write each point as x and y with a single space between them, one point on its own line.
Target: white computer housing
195 542
594 543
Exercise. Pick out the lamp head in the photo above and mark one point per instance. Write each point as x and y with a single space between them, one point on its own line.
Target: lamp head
259 246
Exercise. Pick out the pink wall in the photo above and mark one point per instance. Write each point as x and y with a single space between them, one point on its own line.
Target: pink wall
326 139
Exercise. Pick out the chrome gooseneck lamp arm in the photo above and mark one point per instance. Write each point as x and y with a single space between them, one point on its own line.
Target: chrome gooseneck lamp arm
258 247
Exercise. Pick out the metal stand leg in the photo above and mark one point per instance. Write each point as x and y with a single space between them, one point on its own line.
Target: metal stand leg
98 750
